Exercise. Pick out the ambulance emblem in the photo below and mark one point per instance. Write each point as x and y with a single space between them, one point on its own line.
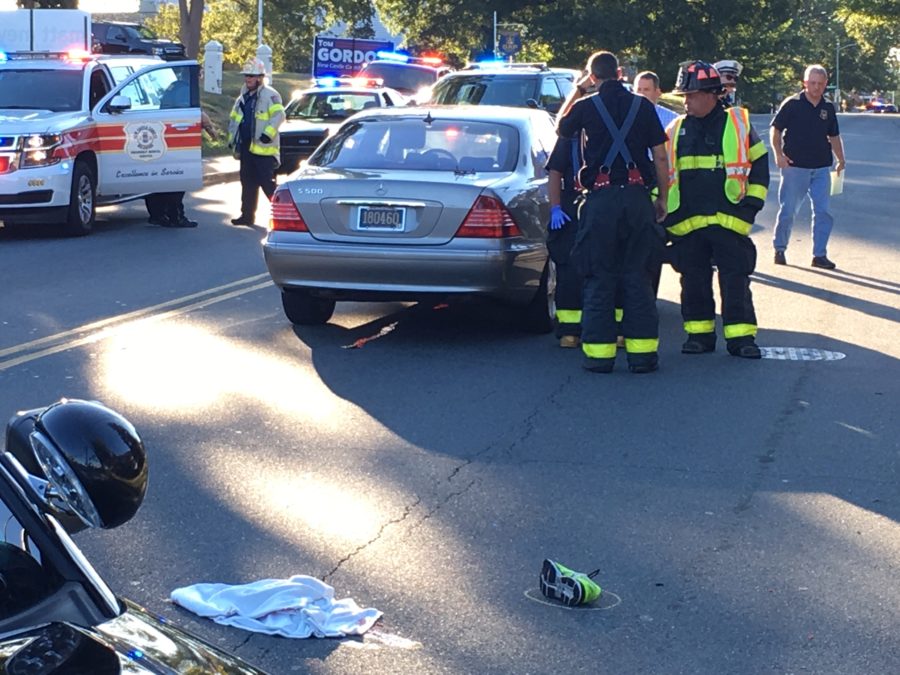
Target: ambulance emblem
145 141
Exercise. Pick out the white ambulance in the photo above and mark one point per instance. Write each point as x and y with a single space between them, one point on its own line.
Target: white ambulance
72 138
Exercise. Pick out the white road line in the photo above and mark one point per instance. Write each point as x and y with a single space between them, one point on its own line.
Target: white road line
100 330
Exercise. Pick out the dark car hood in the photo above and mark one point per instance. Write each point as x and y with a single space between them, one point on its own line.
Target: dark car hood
135 642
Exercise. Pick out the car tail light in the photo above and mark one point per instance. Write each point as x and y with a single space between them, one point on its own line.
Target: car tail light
285 216
488 217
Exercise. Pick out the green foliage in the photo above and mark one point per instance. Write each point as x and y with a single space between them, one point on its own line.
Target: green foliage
773 39
289 27
231 23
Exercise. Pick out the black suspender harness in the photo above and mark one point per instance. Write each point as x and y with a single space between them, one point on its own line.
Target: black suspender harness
618 146
576 161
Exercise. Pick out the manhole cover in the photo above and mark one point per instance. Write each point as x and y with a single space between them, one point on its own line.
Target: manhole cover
800 354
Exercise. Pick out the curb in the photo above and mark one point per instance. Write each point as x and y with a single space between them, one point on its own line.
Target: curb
214 176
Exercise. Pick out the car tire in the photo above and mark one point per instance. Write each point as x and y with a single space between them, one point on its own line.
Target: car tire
539 315
82 201
303 309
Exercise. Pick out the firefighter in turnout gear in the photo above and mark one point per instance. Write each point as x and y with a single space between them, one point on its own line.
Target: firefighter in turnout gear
253 132
718 177
618 231
565 199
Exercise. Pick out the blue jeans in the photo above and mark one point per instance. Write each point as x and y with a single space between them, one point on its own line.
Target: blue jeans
796 183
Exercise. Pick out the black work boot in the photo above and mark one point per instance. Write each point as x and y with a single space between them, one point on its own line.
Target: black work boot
598 365
643 363
744 347
699 343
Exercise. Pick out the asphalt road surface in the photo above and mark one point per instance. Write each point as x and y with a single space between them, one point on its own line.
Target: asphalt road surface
743 514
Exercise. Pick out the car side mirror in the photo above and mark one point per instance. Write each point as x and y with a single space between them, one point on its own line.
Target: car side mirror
531 103
119 104
553 107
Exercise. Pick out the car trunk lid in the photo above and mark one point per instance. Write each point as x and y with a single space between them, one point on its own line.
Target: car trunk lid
399 207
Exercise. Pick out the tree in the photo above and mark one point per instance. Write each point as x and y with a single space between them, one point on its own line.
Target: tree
289 27
191 15
225 21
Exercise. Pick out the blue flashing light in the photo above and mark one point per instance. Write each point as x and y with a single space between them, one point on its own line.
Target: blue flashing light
492 62
326 81
3 57
393 56
135 654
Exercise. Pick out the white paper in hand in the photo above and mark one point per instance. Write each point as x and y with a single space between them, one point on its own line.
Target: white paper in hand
837 182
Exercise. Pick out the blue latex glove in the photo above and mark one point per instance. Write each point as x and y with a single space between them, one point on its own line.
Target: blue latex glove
558 217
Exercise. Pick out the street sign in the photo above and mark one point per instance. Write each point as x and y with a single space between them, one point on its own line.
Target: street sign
344 56
509 42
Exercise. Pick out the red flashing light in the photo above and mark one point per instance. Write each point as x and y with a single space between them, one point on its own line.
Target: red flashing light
78 55
432 60
488 218
285 216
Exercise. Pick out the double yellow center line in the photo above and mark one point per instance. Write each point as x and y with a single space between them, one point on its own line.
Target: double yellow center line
98 330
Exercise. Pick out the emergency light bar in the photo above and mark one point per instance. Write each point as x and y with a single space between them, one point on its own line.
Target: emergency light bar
499 63
71 55
347 81
400 57
393 56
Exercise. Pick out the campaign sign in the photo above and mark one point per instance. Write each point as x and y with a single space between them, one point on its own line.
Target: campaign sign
344 56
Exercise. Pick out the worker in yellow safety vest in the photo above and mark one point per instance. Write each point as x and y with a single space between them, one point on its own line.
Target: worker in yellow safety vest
253 137
718 178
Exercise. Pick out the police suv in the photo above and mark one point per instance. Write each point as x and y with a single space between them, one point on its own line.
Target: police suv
73 138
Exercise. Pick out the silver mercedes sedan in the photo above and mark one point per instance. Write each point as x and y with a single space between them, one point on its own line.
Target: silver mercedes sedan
415 204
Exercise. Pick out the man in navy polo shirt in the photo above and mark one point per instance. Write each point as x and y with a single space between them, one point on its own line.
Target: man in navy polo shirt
804 136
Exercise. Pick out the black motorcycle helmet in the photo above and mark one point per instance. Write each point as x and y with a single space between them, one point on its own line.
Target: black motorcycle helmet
94 458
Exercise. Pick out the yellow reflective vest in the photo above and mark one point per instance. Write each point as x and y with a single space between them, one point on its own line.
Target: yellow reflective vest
739 152
267 119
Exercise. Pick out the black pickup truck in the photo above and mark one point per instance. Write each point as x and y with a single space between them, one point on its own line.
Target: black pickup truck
113 37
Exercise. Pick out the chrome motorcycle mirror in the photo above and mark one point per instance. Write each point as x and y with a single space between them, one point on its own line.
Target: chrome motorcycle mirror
84 459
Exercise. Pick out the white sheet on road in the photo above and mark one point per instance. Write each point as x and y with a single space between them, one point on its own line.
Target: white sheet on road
298 607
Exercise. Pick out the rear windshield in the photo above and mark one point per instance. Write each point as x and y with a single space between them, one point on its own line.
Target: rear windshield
405 78
411 143
54 90
485 90
334 105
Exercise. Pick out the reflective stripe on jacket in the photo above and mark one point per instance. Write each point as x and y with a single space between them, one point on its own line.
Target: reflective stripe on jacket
267 120
739 153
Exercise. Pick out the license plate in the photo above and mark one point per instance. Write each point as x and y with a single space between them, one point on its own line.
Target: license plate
381 218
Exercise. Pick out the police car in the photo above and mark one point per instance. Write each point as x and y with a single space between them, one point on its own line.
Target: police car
73 137
413 76
313 114
531 85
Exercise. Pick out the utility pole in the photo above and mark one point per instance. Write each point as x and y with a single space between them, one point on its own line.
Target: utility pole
259 23
494 44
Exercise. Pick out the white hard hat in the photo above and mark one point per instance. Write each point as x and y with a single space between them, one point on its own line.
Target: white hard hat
729 67
254 67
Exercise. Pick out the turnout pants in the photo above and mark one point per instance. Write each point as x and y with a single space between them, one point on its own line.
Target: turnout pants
617 237
569 283
168 205
735 257
257 172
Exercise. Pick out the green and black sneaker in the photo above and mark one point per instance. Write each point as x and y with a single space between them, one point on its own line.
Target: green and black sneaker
571 588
